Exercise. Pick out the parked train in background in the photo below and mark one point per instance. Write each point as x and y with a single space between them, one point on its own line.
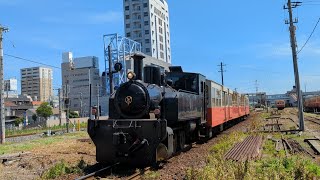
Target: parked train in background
150 120
280 104
312 104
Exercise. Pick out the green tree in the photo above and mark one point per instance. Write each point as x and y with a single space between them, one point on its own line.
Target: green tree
73 114
34 117
44 110
18 121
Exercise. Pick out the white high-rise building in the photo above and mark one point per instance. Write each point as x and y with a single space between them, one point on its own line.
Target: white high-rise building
147 22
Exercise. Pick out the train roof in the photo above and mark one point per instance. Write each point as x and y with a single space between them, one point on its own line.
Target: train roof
225 88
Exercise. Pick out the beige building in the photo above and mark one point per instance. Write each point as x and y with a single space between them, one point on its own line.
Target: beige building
37 83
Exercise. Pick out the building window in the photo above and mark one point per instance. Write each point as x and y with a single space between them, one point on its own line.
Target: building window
146 23
146 14
127 25
147 40
146 31
161 46
160 30
127 16
145 5
161 55
160 22
161 38
147 50
128 34
127 8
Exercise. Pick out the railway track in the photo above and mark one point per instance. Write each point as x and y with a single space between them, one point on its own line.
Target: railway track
137 174
315 120
97 172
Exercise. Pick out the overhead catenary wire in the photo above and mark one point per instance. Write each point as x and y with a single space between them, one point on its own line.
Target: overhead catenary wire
29 60
309 36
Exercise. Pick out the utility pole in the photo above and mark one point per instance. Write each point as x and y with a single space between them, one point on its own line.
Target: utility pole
293 42
81 105
2 110
110 70
222 71
67 104
98 103
59 95
257 89
90 95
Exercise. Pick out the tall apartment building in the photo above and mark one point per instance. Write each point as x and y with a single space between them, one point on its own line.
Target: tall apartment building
37 83
147 22
77 74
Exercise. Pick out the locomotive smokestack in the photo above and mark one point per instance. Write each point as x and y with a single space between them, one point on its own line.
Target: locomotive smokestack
137 64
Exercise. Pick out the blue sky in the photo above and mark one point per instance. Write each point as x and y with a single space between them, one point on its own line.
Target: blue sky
250 37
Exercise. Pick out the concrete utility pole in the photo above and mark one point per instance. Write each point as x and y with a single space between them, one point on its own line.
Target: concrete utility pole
67 104
2 110
293 42
98 103
222 71
90 95
81 105
257 89
59 95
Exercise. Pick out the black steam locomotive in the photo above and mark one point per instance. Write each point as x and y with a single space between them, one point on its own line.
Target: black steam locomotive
150 120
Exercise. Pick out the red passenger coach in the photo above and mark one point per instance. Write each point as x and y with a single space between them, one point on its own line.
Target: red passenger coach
224 104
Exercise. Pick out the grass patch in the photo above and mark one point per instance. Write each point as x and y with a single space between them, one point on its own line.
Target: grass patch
151 175
12 132
29 145
272 165
265 115
62 168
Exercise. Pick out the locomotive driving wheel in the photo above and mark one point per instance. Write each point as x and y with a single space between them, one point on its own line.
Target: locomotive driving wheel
181 140
175 142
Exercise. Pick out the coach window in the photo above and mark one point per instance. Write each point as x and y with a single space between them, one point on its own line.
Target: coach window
233 99
213 97
202 86
218 98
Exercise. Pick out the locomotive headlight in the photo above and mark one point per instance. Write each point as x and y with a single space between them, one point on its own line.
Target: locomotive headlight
131 75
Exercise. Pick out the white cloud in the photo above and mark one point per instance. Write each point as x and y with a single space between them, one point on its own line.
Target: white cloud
269 50
107 17
283 50
46 42
85 18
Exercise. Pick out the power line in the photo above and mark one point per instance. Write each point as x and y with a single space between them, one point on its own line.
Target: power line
33 61
309 36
